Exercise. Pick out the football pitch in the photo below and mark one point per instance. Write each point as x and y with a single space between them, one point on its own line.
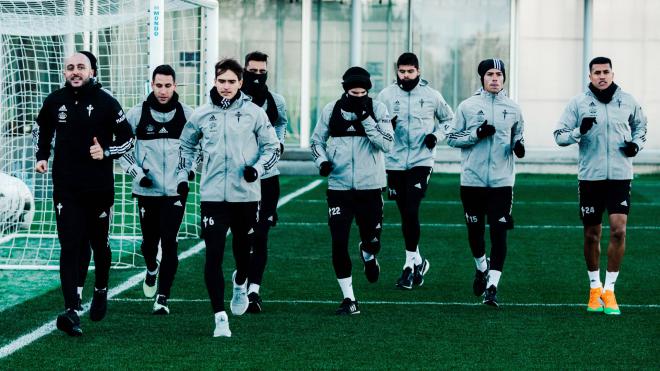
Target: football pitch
542 321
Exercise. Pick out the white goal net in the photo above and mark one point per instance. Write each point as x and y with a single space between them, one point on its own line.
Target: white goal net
129 39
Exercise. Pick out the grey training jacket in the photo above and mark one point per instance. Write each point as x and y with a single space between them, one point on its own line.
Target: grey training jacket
280 126
159 156
600 156
487 162
357 161
230 140
420 111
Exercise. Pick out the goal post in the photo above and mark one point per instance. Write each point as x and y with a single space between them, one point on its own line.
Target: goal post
130 38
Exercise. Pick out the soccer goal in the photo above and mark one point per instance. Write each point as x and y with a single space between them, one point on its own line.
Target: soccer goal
129 38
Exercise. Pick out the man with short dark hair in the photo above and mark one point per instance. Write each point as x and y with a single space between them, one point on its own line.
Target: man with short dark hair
90 130
239 145
157 124
420 118
609 127
254 85
488 129
348 143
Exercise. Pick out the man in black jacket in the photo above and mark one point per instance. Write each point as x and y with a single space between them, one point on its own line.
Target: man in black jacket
90 131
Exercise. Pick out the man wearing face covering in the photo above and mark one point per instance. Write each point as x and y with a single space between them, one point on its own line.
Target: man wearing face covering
348 143
254 85
488 129
420 117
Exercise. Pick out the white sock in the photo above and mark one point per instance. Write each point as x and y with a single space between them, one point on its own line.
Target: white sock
493 278
253 288
610 280
222 314
367 256
418 257
410 259
80 291
594 279
481 263
346 285
154 272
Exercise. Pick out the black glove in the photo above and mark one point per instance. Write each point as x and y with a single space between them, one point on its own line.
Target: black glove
519 149
146 182
586 124
393 121
485 130
182 189
191 175
630 149
325 168
250 174
281 148
430 140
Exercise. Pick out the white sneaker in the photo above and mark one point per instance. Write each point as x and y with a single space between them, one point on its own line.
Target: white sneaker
221 325
150 283
239 300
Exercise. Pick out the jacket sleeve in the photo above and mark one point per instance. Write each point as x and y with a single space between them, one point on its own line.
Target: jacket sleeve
517 130
459 136
379 133
127 161
567 131
188 147
637 122
269 146
42 134
122 131
282 119
444 117
320 137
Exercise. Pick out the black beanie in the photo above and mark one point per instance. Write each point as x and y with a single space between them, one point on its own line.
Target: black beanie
356 77
487 64
92 60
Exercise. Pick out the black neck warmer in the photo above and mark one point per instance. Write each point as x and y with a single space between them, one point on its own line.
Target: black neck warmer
604 96
221 101
84 88
159 107
407 85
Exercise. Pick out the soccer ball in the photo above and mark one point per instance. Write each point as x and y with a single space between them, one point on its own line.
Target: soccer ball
16 204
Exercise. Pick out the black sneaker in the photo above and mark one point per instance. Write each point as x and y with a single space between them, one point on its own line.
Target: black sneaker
160 306
348 307
99 305
254 305
491 296
479 284
69 322
371 268
419 271
406 279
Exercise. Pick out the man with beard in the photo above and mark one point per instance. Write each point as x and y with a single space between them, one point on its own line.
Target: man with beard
348 143
90 131
254 85
157 123
420 118
609 127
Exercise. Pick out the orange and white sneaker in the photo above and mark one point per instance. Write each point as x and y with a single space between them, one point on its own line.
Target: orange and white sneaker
595 303
611 307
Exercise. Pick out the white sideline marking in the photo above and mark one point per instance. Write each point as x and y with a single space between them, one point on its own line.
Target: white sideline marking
50 326
377 302
460 225
451 202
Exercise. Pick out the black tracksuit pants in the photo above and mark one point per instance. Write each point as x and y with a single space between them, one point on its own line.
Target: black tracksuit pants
270 195
160 219
83 220
408 188
217 219
366 206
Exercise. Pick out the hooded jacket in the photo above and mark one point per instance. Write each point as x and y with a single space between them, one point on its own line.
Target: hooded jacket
420 111
487 162
600 156
230 140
